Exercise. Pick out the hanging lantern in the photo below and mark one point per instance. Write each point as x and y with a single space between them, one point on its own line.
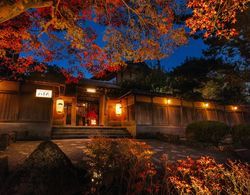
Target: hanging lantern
118 109
59 106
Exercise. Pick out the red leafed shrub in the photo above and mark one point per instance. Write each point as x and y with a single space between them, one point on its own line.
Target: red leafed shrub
125 166
205 176
121 166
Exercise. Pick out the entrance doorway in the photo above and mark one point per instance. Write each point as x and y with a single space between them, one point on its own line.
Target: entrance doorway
87 113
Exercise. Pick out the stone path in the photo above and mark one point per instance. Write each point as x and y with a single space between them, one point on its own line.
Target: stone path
73 148
177 152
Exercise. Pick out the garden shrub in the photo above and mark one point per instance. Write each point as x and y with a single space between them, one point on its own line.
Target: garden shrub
205 176
207 131
125 166
120 166
241 134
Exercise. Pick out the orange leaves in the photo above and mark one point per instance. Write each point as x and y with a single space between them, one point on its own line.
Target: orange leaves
205 176
125 162
215 17
136 31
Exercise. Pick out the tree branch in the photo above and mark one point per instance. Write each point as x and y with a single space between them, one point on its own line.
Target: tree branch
10 10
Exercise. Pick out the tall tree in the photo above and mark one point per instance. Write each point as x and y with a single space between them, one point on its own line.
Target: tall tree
235 49
215 18
49 30
208 79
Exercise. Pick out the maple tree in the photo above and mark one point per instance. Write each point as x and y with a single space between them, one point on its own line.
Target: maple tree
215 17
236 46
47 31
61 30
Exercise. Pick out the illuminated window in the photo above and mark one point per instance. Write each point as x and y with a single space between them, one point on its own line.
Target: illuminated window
91 90
118 109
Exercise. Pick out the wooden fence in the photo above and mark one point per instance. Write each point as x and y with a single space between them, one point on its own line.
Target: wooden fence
168 111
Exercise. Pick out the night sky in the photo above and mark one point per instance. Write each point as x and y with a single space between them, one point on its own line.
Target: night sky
192 49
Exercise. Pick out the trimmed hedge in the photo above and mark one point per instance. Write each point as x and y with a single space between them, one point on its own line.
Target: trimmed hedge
241 134
207 131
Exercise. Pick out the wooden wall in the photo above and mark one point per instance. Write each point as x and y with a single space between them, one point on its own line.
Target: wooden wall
18 103
8 106
111 117
161 111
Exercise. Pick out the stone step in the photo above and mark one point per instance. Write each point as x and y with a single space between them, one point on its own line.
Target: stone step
88 127
88 136
86 132
91 133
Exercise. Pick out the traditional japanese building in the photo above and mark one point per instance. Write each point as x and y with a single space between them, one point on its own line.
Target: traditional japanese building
37 109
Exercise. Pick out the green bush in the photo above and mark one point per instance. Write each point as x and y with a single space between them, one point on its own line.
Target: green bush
206 131
241 134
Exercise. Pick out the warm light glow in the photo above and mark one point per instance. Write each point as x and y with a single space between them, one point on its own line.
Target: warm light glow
91 90
168 101
43 93
118 109
59 106
235 108
205 105
93 122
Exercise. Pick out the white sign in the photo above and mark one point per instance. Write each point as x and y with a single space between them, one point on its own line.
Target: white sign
44 93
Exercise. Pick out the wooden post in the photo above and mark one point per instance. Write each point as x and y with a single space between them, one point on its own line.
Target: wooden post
226 116
19 95
105 107
168 114
193 114
181 112
216 111
243 117
73 112
127 118
152 111
102 102
135 109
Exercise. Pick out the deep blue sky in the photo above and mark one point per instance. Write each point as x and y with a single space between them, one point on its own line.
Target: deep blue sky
192 49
